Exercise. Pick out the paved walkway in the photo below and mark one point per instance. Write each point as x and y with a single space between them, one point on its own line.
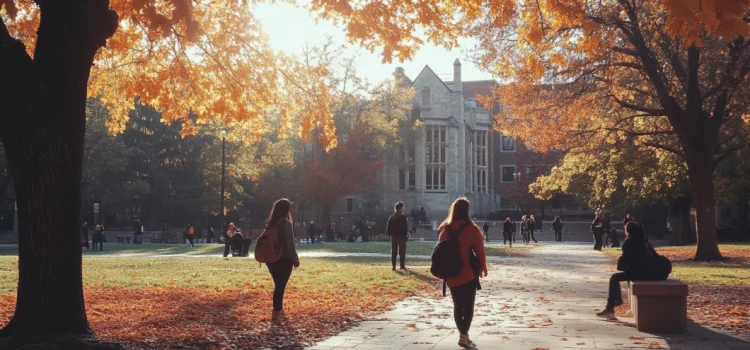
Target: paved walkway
545 302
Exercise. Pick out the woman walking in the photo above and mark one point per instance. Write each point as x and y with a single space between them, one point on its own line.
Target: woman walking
464 287
525 229
281 270
557 227
508 231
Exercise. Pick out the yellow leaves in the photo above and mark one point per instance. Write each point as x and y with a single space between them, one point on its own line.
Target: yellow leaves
8 8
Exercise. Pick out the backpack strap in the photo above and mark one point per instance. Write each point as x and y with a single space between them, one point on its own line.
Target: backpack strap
445 284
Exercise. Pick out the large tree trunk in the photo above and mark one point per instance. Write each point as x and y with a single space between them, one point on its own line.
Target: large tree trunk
42 126
679 218
702 184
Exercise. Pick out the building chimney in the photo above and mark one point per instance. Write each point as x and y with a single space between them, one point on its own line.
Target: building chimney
400 70
457 84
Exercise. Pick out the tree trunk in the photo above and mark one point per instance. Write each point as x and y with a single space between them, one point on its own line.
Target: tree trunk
42 126
679 218
702 184
325 217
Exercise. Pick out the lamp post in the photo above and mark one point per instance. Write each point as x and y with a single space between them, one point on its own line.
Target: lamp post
223 170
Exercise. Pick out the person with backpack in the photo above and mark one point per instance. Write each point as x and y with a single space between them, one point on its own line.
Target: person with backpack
398 229
525 229
227 237
459 259
557 226
508 231
638 262
532 228
275 248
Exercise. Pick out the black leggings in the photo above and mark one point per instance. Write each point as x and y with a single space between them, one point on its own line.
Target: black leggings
280 272
398 247
558 235
463 305
598 239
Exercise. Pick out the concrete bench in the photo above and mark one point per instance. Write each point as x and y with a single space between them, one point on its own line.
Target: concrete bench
659 306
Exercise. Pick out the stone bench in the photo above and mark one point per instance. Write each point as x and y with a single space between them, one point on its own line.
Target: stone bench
659 306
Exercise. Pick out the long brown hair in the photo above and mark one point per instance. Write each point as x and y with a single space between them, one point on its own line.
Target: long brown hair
459 210
281 210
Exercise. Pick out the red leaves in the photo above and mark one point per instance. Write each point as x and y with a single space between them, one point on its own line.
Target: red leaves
203 318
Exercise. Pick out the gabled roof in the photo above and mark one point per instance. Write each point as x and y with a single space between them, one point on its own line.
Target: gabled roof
428 70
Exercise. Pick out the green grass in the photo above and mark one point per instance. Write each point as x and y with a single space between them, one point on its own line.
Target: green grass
734 271
413 248
315 274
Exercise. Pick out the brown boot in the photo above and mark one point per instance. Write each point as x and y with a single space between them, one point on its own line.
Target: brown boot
278 318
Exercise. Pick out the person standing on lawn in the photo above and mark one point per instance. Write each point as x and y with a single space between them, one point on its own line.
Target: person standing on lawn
398 229
486 229
311 230
190 234
281 270
210 235
464 287
85 235
228 240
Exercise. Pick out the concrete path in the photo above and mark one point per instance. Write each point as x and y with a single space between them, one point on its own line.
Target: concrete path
547 301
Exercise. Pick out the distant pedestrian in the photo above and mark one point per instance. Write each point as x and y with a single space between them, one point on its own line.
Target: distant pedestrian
353 234
137 232
532 228
98 237
628 218
311 232
398 229
525 229
190 234
281 270
464 287
597 228
508 231
557 226
228 239
210 235
237 243
85 235
486 229
331 232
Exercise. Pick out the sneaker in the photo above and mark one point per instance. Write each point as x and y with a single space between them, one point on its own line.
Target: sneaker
606 313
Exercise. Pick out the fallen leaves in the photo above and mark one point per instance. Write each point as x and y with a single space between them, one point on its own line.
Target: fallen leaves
159 318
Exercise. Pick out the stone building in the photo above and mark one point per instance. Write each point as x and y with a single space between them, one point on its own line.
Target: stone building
455 153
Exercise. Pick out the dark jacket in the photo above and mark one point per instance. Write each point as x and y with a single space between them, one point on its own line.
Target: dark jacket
557 226
486 227
508 227
532 225
236 242
397 225
597 226
635 257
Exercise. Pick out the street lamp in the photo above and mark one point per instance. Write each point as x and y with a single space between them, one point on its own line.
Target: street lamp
223 170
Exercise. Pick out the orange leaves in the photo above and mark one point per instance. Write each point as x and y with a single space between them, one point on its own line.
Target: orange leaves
229 319
8 7
689 19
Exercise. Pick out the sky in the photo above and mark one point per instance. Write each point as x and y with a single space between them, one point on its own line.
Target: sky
291 28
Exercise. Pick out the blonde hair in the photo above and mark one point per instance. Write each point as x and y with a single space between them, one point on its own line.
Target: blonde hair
459 210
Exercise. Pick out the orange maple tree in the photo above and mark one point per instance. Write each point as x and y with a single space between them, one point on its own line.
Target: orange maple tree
667 74
206 58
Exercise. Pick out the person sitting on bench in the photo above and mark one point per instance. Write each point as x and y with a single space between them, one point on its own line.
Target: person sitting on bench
633 265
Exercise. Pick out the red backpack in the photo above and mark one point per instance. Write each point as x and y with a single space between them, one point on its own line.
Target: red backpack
267 246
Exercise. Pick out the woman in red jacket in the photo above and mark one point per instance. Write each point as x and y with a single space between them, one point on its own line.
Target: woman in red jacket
464 286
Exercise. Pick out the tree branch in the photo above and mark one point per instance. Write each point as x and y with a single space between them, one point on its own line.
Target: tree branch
642 133
676 151
727 152
652 111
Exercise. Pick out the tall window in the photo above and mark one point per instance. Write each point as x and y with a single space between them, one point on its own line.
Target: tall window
508 175
401 179
480 161
410 158
426 98
508 144
435 165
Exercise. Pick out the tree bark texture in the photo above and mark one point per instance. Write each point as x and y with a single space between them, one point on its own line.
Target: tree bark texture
42 126
702 183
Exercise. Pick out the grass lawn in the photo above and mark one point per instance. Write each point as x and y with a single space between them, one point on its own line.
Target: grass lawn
147 302
718 290
413 248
